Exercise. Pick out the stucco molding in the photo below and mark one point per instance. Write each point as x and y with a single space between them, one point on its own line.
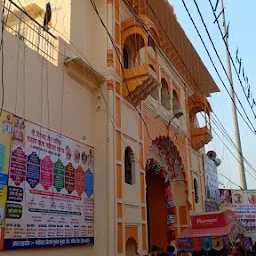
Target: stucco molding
83 73
163 114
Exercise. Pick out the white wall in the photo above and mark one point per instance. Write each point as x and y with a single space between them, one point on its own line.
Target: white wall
34 89
77 23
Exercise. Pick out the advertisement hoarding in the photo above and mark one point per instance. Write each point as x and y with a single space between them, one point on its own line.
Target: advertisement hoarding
46 187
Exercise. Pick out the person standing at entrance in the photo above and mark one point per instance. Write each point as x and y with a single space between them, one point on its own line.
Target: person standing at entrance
170 251
154 251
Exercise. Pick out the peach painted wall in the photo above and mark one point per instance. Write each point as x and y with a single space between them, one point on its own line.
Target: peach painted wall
26 81
157 210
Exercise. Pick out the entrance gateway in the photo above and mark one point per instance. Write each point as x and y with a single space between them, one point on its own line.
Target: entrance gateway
164 177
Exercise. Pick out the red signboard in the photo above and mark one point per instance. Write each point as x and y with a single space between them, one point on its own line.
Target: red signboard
214 220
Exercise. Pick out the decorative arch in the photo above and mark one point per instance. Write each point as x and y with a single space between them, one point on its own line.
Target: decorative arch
198 103
130 242
175 102
165 94
133 45
162 162
130 25
152 28
132 234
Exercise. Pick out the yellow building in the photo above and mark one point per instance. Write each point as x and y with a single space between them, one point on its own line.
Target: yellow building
124 96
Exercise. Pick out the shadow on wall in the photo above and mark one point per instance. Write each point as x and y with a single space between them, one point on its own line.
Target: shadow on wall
87 33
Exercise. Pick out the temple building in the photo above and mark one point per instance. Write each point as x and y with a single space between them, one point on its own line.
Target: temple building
122 78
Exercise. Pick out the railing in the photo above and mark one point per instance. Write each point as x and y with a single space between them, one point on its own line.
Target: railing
18 22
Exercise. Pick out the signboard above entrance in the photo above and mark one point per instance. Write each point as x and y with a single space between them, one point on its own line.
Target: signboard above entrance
216 220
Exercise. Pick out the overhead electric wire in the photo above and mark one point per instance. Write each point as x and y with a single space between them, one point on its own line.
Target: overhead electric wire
114 44
152 10
117 54
242 156
228 137
216 115
121 63
216 52
252 175
214 67
230 57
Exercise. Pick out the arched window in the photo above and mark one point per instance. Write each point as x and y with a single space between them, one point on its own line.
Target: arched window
134 51
151 47
196 191
126 58
175 102
165 96
129 166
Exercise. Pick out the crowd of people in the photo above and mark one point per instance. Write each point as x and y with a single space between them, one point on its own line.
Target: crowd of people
236 250
156 252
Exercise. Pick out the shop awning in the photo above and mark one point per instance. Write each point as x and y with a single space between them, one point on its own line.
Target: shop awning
210 231
207 232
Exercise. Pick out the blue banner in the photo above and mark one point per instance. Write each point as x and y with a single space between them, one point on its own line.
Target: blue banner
3 179
10 244
88 183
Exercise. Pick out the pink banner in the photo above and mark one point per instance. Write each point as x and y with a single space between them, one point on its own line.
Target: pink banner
46 178
69 178
79 180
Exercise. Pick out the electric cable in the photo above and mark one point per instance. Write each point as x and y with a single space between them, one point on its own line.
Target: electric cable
111 39
252 129
233 142
230 57
212 63
114 45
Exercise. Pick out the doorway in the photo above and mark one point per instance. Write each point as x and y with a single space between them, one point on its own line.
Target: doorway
156 210
131 247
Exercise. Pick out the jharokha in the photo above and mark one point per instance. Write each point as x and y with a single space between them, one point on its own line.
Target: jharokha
122 78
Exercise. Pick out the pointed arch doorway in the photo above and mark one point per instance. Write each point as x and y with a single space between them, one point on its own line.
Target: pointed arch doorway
131 247
164 167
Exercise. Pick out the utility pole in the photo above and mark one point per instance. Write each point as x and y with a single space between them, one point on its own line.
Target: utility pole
234 112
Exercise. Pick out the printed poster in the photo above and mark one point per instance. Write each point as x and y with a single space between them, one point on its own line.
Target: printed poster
238 197
49 199
226 196
6 130
251 196
242 203
211 180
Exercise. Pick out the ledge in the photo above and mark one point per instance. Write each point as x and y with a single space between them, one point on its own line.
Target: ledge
83 73
200 137
139 82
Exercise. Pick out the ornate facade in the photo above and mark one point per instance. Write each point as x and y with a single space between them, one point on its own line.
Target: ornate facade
161 95
137 95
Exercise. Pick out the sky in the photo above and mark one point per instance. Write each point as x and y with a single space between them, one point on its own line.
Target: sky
241 15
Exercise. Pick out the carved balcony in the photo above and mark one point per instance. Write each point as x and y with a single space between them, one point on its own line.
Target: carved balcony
200 136
139 82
